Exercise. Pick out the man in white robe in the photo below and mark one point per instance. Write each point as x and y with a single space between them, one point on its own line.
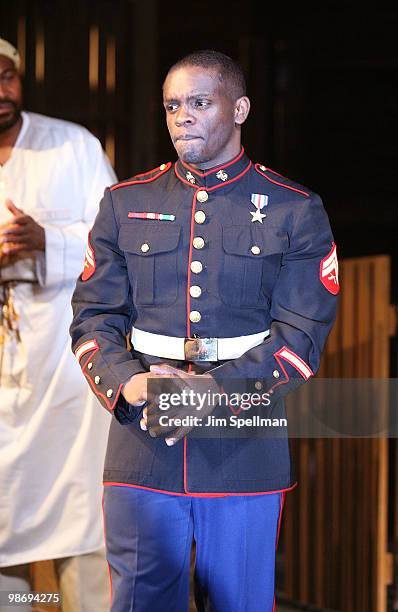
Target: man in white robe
52 435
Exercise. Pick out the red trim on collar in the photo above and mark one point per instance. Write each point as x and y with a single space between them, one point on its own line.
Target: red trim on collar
148 180
232 180
216 168
304 193
208 189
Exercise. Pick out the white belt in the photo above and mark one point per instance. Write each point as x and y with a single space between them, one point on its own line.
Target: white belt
194 349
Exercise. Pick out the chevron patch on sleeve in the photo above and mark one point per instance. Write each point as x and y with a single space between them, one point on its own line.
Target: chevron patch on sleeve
329 271
89 262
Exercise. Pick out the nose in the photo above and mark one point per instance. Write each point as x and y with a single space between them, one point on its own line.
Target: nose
183 116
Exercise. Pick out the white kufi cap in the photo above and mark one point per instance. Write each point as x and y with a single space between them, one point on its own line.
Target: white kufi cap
8 50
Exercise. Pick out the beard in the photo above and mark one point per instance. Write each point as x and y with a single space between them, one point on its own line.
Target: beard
196 154
189 153
8 121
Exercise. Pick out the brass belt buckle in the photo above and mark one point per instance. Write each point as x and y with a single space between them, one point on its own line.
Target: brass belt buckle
200 349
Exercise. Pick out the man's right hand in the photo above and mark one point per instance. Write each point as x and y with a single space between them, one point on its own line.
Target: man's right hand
21 233
134 390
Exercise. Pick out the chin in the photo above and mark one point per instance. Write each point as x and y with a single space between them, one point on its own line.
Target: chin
190 155
191 158
8 121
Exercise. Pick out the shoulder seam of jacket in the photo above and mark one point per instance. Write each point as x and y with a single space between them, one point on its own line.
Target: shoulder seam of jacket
144 177
260 171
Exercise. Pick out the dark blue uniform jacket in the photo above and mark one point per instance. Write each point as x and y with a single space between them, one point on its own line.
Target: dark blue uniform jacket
279 272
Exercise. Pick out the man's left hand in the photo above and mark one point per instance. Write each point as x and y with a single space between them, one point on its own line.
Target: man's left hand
22 233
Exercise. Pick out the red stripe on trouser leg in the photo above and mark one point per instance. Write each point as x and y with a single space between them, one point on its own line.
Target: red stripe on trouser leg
277 534
280 519
109 567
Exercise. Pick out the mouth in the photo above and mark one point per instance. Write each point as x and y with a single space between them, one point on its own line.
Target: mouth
6 107
187 138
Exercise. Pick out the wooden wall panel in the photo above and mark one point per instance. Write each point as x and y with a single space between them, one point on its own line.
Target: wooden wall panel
340 558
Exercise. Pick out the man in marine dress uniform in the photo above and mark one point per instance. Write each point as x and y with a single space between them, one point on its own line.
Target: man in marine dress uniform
220 273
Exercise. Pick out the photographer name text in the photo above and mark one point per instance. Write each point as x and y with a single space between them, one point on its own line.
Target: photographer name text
212 421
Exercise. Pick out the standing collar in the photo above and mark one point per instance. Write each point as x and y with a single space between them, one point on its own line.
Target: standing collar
215 177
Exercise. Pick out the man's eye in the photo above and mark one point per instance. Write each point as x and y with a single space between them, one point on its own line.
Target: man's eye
201 103
172 107
8 76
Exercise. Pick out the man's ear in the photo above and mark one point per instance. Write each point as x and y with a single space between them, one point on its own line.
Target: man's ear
242 108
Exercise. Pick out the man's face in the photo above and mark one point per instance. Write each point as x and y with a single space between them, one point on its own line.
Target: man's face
200 116
10 94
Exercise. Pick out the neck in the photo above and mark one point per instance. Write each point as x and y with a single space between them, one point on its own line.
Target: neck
219 161
9 136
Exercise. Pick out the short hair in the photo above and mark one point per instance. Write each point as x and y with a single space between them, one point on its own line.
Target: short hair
229 71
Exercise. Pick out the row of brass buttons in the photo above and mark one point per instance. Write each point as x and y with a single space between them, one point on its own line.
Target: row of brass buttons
197 266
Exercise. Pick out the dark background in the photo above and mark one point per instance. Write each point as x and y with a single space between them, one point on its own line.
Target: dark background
322 78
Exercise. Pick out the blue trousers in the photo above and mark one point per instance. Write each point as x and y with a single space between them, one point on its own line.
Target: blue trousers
149 538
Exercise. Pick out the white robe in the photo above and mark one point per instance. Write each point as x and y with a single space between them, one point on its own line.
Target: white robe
53 432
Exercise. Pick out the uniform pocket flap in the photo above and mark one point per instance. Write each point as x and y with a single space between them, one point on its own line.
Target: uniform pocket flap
148 239
254 242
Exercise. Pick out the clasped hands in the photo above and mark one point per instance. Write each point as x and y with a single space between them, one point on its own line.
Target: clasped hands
21 233
163 380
